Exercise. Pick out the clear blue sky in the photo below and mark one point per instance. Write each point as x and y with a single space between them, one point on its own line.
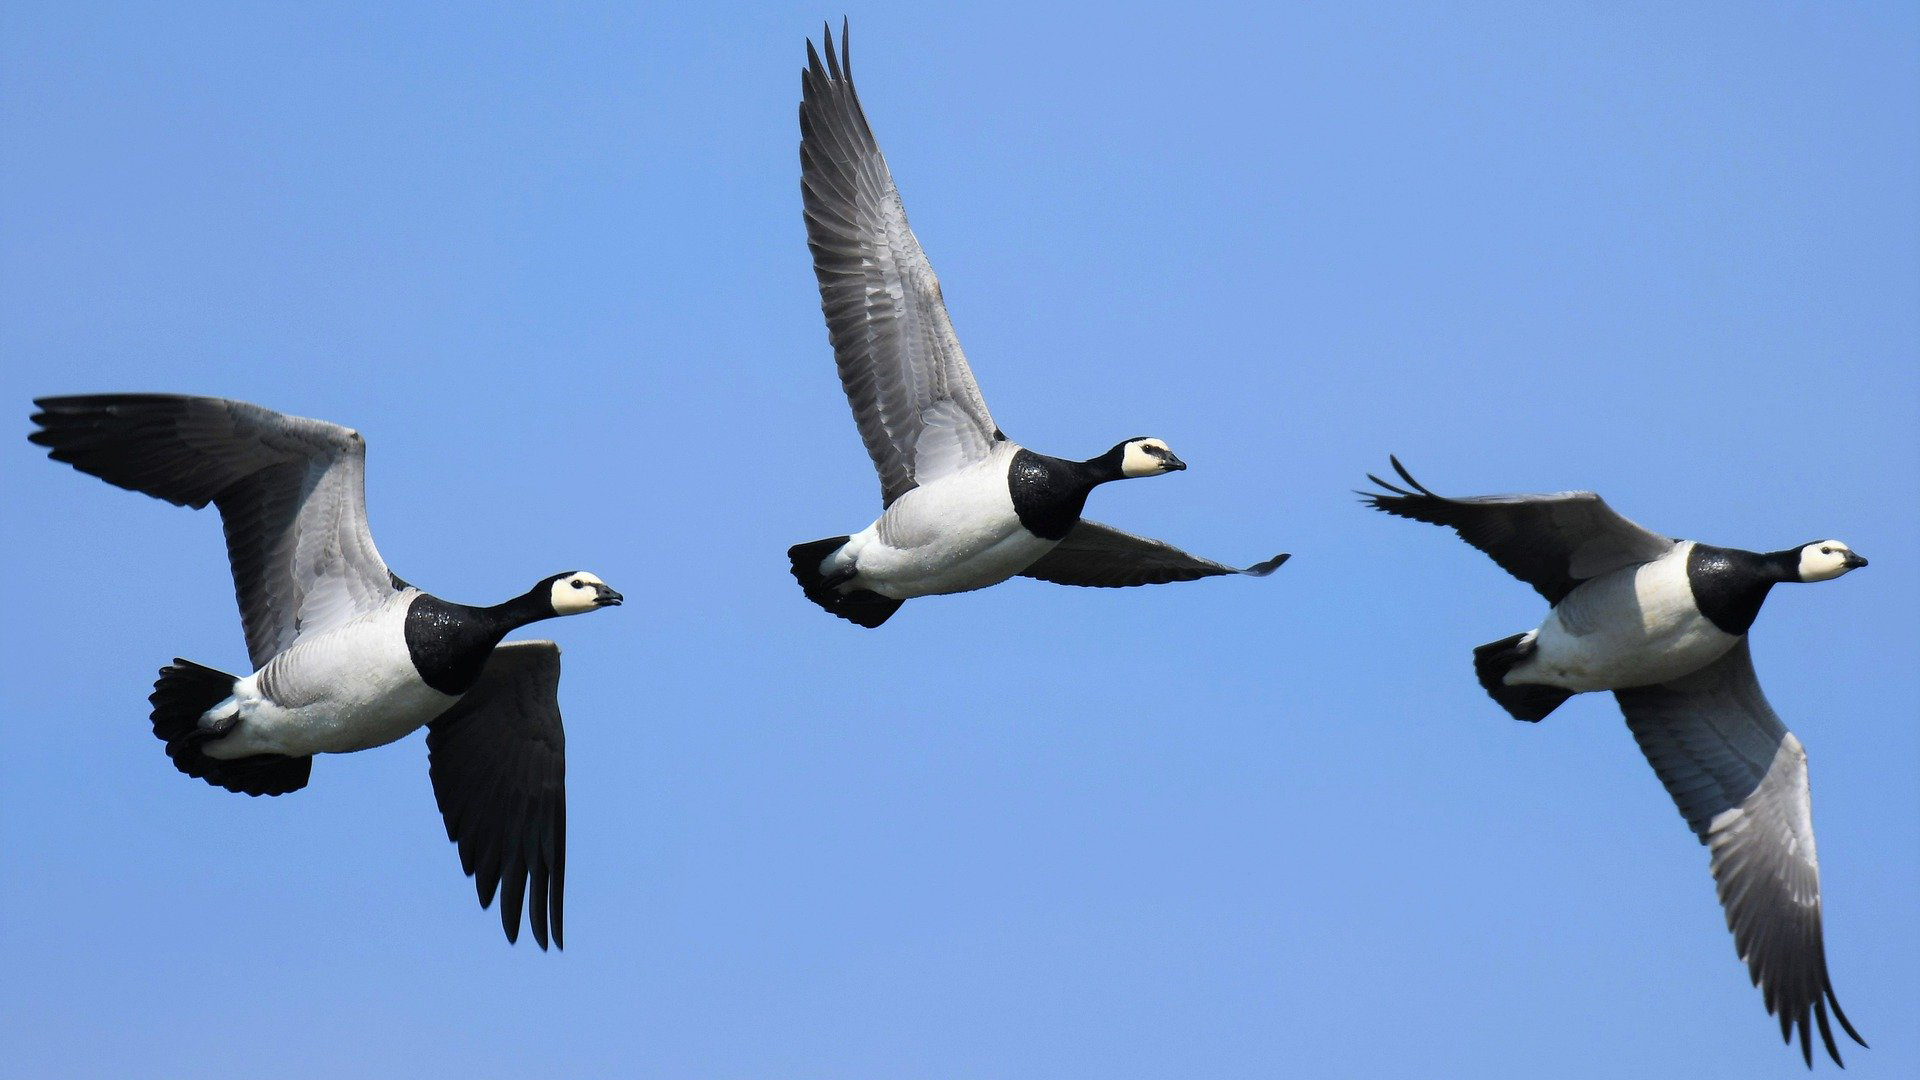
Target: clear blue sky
553 267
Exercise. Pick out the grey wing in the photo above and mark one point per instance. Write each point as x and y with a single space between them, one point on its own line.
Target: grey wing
1551 542
290 492
1104 557
1739 777
498 759
913 396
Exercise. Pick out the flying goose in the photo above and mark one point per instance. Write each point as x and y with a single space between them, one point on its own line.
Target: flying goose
1663 624
964 506
345 655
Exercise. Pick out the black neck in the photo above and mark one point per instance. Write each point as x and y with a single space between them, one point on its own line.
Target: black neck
1784 565
1104 468
528 607
1729 584
1049 492
450 643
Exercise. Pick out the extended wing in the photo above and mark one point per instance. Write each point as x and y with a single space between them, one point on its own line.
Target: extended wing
1102 556
498 760
913 396
1551 542
290 490
1739 777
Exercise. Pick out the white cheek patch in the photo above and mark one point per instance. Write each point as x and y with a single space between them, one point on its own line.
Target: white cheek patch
1137 462
1818 565
568 600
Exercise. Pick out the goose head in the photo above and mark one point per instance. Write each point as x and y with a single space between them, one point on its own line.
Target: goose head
577 591
1824 560
1144 456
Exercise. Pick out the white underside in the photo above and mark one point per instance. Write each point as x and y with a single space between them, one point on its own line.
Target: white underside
955 534
1632 627
348 688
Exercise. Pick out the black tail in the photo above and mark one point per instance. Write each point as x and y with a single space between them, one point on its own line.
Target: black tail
869 609
1493 660
183 692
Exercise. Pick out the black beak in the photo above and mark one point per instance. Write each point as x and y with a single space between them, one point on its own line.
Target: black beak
1172 463
605 597
1853 562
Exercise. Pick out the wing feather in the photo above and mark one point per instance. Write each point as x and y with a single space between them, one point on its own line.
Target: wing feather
1101 556
498 761
1551 542
914 398
1739 777
291 495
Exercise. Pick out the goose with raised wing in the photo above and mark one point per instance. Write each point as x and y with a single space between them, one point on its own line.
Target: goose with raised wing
1662 623
964 507
344 654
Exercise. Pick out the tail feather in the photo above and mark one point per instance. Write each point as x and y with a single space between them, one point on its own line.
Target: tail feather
1526 702
862 606
186 690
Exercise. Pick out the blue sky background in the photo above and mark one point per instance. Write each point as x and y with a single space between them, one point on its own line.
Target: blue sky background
553 267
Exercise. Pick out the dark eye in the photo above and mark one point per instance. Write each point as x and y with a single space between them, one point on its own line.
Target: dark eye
578 584
1826 551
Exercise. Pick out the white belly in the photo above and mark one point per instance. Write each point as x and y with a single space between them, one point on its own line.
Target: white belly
1633 627
351 688
956 534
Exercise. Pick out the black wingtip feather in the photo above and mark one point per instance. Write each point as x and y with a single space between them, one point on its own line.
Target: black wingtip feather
1821 1005
1841 1016
1414 489
1392 489
1416 485
1826 1033
826 63
537 906
513 896
1801 1020
1262 569
557 886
